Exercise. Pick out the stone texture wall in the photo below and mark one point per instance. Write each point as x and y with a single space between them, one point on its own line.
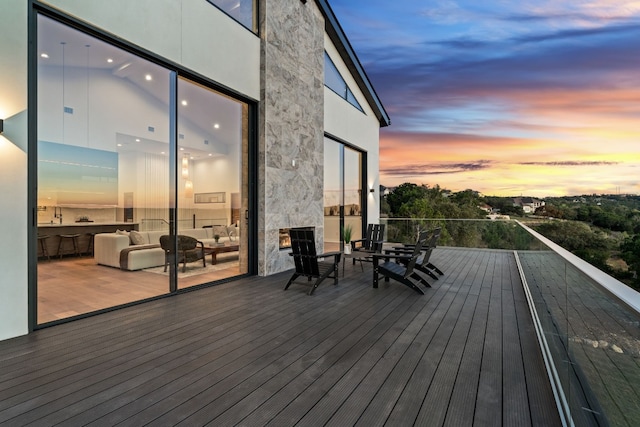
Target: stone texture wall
291 126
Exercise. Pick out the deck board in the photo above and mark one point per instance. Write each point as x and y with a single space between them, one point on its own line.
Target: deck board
249 353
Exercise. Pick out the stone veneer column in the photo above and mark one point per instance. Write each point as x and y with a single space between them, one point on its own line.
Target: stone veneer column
291 125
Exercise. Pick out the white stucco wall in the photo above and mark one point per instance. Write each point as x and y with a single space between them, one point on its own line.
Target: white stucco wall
13 169
346 122
194 34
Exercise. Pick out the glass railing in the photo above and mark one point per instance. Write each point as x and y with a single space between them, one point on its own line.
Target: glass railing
588 323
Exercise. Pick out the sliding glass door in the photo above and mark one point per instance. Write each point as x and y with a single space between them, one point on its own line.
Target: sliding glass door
342 192
108 162
212 193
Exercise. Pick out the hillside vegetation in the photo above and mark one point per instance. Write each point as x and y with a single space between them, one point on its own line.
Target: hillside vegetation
604 230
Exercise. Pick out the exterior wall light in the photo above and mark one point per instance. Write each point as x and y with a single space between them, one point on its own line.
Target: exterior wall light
1 126
372 190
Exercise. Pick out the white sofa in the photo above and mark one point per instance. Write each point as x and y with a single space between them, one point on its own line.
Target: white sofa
109 247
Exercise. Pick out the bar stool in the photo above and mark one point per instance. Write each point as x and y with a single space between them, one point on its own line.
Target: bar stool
89 250
74 240
43 246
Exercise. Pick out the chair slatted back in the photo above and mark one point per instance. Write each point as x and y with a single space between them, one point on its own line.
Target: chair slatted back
377 236
420 243
367 237
430 245
303 248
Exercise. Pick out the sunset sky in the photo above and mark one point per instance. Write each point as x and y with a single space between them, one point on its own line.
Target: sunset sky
507 97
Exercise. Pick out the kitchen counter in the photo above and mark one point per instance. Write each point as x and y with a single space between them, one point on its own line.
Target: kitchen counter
84 229
122 225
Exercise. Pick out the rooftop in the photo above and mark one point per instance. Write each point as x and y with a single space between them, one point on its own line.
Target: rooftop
247 352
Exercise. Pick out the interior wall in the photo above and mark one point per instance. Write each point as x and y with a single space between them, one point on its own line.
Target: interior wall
13 170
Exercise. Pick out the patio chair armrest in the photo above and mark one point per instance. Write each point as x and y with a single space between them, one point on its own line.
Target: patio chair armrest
398 251
386 256
335 254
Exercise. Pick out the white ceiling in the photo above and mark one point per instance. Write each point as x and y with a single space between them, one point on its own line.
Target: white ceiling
205 108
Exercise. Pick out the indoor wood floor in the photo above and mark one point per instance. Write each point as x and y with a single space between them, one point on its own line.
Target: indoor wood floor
72 286
248 353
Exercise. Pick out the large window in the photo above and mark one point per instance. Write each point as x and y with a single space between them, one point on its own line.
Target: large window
124 159
334 81
243 11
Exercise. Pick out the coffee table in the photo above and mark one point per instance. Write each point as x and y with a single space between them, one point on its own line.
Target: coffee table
215 250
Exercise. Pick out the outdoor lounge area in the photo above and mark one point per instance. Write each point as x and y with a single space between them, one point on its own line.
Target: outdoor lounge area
248 353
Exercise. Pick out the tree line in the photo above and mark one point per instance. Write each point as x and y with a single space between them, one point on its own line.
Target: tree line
602 230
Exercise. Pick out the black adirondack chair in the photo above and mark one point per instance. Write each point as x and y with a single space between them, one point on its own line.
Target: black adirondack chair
423 264
307 261
400 267
372 242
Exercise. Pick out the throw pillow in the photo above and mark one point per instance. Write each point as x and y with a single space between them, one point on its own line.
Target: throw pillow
136 238
122 233
232 232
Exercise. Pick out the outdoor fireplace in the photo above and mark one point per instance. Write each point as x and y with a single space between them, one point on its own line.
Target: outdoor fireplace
284 239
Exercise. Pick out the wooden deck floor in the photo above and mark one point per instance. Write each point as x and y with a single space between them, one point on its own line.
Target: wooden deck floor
248 353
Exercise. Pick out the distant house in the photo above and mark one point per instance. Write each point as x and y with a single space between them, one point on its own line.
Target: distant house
528 204
485 207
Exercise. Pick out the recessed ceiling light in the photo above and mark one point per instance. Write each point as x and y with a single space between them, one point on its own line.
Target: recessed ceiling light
119 145
181 148
184 102
162 152
109 60
137 139
217 126
210 154
44 55
191 157
148 77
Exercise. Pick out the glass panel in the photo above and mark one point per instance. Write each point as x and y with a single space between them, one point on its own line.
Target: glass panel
103 129
333 196
243 11
212 193
334 81
352 99
332 78
353 191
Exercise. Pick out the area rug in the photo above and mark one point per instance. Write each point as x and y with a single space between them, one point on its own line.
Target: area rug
224 261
